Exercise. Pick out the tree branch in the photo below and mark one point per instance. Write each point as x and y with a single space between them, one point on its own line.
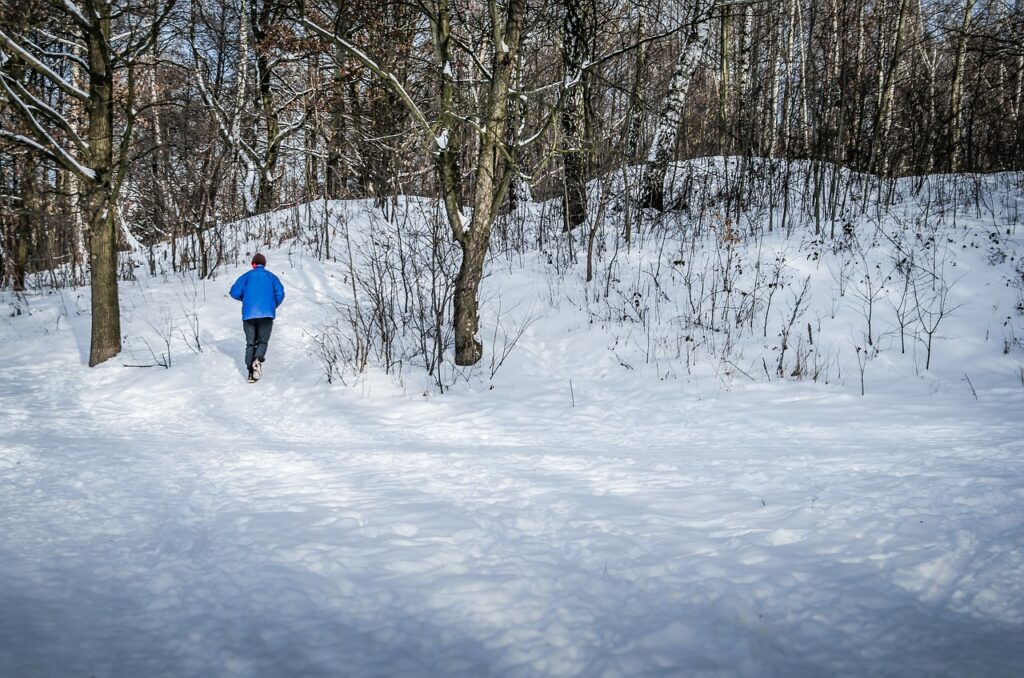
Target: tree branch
35 64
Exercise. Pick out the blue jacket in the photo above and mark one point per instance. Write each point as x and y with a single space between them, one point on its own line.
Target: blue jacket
260 292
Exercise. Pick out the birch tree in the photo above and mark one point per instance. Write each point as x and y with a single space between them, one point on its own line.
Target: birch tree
889 61
666 131
956 89
261 114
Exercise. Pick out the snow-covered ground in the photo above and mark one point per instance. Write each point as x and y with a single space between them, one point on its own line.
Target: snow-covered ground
615 505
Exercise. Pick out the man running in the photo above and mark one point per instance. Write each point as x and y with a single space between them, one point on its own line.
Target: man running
261 293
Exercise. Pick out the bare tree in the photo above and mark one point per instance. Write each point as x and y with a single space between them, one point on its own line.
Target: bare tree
99 157
264 110
666 132
491 175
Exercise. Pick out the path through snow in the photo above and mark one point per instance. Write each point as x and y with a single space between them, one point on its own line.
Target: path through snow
183 523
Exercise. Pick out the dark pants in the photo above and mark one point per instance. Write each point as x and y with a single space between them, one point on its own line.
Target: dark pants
257 334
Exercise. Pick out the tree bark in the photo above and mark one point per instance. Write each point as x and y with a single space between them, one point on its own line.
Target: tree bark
666 133
336 173
879 162
99 197
490 181
956 89
636 98
26 214
575 51
266 196
724 38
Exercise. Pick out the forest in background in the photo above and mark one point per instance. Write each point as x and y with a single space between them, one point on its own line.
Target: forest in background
134 124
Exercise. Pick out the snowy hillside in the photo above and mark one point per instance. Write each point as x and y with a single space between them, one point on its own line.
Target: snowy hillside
669 470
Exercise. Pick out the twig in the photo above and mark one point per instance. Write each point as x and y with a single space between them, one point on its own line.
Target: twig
968 380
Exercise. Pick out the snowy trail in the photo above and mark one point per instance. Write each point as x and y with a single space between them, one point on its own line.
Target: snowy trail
218 557
183 523
298 561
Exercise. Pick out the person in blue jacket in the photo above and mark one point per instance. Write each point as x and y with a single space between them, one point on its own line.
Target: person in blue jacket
261 293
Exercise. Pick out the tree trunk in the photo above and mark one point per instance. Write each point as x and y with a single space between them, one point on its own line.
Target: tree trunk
724 38
468 347
336 173
28 213
744 122
956 89
879 162
574 112
489 184
635 113
98 198
266 198
1015 112
663 145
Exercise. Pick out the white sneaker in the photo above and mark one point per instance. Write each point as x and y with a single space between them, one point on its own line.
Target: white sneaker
257 369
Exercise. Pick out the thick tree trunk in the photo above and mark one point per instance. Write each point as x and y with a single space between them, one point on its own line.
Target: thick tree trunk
468 347
99 197
490 183
106 315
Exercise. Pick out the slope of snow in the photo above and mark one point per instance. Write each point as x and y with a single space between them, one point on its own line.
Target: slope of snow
602 504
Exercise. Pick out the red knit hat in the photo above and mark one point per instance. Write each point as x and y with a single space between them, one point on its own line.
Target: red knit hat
259 260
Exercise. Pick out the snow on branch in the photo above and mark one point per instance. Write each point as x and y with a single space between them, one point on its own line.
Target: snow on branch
289 130
55 153
441 140
6 43
225 126
365 59
36 103
29 44
74 10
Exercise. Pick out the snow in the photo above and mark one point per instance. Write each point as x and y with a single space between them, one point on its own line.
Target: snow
76 12
442 140
42 68
51 148
581 517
